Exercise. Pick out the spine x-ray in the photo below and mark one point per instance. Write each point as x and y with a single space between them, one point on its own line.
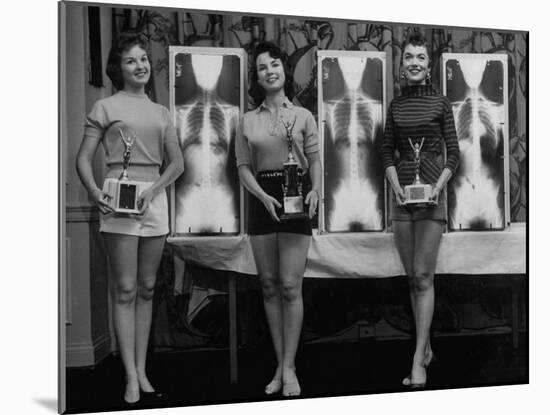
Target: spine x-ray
206 104
351 104
476 86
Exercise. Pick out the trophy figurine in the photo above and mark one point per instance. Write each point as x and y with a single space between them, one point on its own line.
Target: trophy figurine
293 200
125 192
418 193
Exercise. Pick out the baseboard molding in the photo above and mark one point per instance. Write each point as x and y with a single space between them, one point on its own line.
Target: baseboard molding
102 347
86 354
81 213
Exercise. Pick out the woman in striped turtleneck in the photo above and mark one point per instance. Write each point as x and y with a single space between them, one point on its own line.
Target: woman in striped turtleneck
424 117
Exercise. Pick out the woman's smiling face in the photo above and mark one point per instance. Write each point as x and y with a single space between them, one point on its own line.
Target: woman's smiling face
135 67
416 64
271 73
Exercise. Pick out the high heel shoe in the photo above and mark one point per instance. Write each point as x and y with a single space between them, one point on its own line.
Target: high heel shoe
153 396
428 360
409 384
156 394
128 403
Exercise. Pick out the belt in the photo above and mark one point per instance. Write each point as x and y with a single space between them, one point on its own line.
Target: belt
275 173
135 171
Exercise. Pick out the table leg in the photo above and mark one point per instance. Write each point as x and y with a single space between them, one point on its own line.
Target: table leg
233 347
515 314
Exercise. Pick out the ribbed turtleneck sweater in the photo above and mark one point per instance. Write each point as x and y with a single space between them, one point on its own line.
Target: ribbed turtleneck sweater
420 112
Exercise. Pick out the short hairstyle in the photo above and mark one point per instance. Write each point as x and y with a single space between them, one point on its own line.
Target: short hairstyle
125 41
416 39
256 91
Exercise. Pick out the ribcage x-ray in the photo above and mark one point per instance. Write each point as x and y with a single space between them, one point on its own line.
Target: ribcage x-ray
351 102
475 85
207 104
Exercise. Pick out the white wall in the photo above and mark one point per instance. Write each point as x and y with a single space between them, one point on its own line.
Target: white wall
88 335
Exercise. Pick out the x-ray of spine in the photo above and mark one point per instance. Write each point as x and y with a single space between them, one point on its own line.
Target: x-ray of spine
352 99
207 112
476 192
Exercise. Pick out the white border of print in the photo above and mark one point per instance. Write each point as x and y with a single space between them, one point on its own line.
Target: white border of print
29 303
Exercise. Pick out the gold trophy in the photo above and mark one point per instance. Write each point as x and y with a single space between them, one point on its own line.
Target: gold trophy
125 192
293 200
418 193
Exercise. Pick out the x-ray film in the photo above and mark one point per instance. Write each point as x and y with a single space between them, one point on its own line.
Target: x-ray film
206 103
351 112
476 85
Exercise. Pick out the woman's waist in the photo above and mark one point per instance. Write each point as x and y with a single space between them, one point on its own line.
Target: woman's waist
274 181
425 154
272 164
428 172
140 172
278 173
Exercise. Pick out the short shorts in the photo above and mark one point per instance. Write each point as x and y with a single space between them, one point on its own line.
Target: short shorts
412 213
154 222
259 219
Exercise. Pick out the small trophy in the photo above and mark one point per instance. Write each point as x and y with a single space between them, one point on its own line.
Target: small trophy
418 193
125 192
293 200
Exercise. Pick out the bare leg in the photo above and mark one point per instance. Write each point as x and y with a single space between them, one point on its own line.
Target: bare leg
404 238
403 235
293 250
123 252
265 252
427 240
150 254
404 242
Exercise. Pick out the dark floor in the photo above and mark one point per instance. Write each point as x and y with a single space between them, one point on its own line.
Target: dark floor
326 369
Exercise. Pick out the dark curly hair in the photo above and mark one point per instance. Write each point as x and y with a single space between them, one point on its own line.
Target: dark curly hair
124 42
416 39
256 91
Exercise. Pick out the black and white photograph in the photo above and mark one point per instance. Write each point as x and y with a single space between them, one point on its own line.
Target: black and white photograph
268 208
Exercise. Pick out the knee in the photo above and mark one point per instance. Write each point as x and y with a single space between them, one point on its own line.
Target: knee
270 286
125 292
292 290
146 289
421 280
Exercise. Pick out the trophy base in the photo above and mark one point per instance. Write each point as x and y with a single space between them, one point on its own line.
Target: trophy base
419 194
293 207
125 195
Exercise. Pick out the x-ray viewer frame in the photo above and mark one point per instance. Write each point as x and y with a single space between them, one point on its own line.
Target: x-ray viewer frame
504 124
174 51
322 55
